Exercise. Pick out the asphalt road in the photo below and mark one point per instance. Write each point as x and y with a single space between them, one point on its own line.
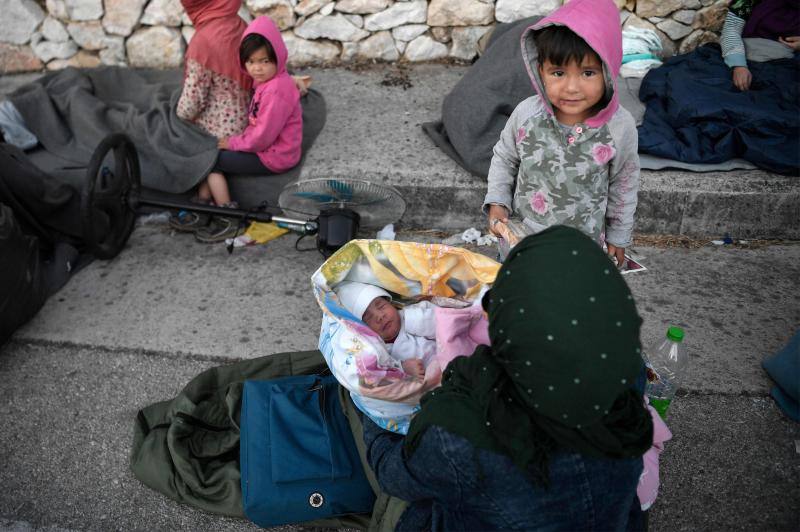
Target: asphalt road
131 331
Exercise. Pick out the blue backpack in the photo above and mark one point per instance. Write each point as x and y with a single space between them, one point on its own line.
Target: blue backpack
299 461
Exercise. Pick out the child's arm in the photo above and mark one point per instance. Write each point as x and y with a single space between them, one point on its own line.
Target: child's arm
733 51
414 367
272 117
503 169
194 96
623 190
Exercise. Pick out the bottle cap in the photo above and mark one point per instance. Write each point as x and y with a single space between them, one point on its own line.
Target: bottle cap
675 334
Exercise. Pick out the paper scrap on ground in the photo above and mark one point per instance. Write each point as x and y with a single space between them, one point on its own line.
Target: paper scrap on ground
387 233
632 265
470 236
486 240
240 241
257 233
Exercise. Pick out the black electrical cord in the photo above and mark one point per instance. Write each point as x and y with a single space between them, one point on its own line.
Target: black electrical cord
297 244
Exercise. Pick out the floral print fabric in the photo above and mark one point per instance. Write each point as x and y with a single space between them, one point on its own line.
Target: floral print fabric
563 178
218 105
546 173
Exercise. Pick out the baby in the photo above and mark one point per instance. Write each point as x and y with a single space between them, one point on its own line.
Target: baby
409 333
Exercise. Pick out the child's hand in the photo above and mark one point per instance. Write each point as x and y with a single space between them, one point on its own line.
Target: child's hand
415 368
742 78
791 42
497 213
222 143
616 254
302 83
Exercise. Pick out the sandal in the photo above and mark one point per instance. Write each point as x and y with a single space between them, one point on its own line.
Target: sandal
218 230
188 221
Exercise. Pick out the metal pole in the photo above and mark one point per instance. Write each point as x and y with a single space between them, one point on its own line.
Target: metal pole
309 227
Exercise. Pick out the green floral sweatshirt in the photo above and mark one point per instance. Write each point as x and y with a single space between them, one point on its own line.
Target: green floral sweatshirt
585 176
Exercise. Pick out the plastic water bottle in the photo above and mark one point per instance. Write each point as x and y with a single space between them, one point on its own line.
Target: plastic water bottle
666 366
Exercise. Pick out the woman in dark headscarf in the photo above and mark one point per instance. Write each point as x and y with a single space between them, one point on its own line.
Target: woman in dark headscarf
773 20
543 429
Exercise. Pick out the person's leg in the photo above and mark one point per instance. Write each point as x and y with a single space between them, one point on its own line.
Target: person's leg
387 510
220 227
228 162
638 519
204 192
240 162
218 186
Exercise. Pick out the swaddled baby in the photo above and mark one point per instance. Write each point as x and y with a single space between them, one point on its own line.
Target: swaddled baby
409 333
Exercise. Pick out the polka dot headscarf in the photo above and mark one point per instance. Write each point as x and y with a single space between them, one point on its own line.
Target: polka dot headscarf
564 327
564 356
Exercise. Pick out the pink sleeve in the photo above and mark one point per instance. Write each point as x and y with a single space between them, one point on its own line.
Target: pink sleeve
459 332
273 114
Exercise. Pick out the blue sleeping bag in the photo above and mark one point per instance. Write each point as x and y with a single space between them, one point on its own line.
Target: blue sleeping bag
696 115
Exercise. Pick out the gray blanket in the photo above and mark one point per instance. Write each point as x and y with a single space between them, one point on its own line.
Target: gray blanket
475 111
71 111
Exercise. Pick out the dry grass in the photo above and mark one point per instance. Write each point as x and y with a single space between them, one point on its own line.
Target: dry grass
432 233
669 241
688 242
397 77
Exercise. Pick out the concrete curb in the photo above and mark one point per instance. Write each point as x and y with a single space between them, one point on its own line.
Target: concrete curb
373 132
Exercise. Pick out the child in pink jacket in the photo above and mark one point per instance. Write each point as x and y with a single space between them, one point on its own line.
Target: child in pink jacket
270 144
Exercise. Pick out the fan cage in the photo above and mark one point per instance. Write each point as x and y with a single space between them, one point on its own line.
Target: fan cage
377 205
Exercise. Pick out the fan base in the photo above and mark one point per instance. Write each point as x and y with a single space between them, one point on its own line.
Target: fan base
337 226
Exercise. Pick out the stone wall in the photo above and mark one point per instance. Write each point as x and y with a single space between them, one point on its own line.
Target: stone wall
52 34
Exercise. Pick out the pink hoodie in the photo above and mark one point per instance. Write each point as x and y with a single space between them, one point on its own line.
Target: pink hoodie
275 129
597 23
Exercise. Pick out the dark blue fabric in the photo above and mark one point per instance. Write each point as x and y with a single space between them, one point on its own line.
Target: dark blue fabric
452 485
696 115
297 449
784 368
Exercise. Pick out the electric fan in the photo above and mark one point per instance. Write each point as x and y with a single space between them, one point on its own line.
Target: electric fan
343 205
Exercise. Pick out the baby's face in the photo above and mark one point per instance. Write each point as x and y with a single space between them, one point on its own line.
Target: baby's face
382 318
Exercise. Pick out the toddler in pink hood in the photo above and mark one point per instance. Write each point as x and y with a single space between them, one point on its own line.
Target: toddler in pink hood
568 154
270 144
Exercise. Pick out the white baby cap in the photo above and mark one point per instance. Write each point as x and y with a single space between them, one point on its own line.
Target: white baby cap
356 297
